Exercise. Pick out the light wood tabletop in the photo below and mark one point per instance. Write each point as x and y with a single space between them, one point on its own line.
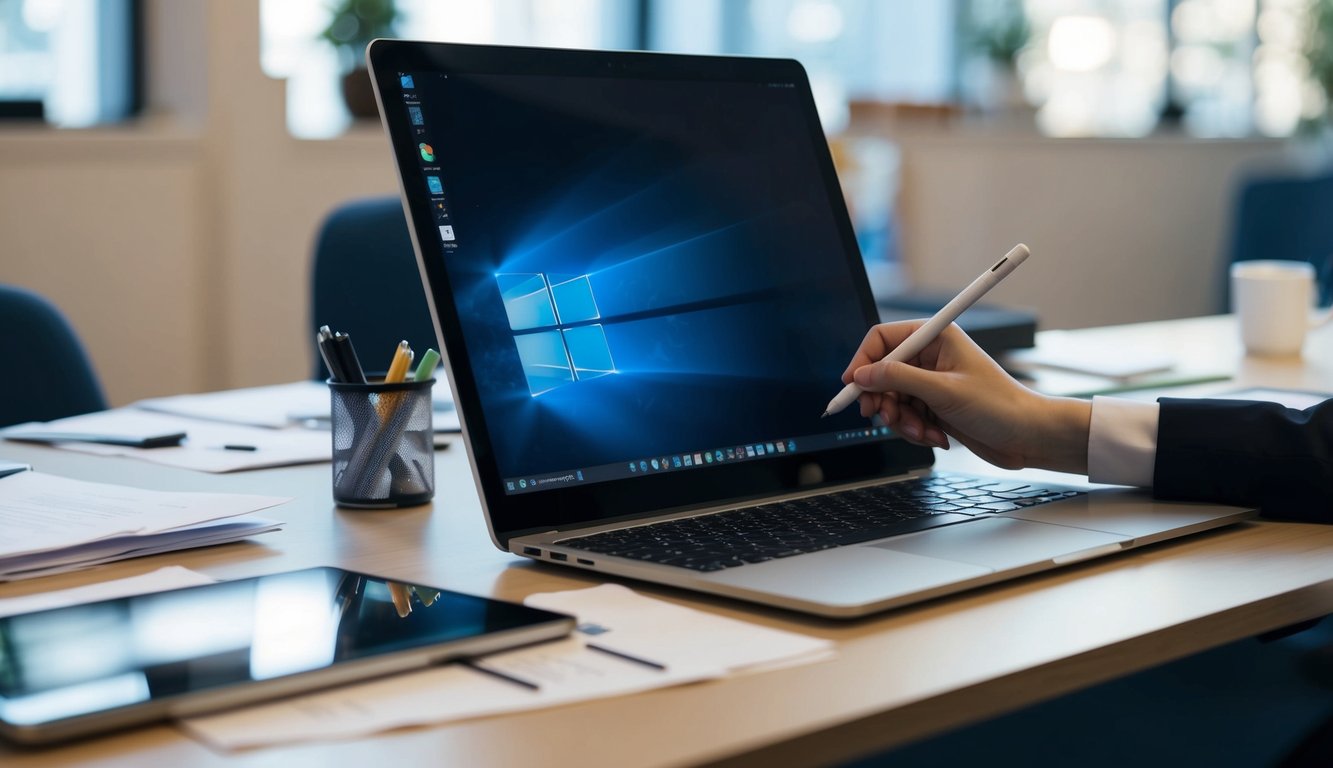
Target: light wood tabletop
896 677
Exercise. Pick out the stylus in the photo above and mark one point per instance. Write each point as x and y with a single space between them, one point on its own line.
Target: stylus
913 344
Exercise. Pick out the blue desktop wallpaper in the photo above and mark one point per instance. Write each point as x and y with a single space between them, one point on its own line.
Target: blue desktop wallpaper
641 268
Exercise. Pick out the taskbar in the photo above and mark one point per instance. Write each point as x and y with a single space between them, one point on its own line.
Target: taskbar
678 462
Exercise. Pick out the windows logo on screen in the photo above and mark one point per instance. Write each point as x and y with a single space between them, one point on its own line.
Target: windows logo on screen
554 320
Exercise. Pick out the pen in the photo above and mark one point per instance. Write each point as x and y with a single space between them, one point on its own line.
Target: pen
627 657
327 351
347 359
531 686
913 344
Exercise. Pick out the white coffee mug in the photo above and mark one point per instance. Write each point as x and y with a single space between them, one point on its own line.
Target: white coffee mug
1274 300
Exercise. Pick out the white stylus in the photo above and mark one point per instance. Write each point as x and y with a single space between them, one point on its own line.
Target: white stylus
913 344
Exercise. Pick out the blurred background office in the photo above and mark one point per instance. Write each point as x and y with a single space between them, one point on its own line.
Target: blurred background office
165 165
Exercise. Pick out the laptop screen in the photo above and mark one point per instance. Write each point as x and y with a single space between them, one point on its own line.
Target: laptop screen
641 271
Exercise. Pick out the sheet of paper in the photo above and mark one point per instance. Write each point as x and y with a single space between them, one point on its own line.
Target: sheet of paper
616 617
1068 353
43 513
281 405
171 577
109 550
206 442
566 672
562 672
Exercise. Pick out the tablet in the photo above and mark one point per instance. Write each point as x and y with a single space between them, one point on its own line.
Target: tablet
88 668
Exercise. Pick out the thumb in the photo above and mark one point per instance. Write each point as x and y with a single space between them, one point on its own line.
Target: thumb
894 376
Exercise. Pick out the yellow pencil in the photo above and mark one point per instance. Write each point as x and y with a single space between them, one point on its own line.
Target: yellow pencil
402 360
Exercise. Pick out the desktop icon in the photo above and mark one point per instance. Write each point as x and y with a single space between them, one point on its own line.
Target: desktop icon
675 462
782 448
731 453
522 483
791 445
643 466
406 81
718 455
414 113
655 464
749 451
698 459
708 457
446 232
633 467
509 485
770 447
689 460
579 473
434 185
427 152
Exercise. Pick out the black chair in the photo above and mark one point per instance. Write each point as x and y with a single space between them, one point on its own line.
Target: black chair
1284 216
48 374
365 283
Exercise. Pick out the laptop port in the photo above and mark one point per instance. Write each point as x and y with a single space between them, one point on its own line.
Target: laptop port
581 561
532 551
561 556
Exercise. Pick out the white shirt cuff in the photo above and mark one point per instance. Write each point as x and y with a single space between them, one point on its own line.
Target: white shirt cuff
1122 441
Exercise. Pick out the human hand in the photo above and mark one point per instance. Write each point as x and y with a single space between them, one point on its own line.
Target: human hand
953 388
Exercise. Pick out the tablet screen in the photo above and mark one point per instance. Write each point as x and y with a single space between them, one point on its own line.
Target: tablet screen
122 654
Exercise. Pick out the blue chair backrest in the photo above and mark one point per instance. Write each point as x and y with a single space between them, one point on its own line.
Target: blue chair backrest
1284 217
47 374
365 283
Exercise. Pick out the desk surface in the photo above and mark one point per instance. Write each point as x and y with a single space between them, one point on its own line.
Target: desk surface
897 676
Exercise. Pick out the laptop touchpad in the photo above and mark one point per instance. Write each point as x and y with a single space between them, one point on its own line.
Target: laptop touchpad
1001 543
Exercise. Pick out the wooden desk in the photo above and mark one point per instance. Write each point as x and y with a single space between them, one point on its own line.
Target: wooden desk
897 677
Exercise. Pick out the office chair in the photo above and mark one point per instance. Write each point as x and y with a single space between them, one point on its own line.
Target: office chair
48 374
365 283
1284 217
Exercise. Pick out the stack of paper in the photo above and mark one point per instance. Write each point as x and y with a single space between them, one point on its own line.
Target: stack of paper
282 405
50 524
208 446
625 643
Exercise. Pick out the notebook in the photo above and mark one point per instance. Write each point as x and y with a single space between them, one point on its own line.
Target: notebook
644 277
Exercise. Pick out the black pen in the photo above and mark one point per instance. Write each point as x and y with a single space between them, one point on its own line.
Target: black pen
620 655
351 365
501 675
327 351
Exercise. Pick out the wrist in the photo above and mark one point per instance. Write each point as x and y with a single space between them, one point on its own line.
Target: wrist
1061 439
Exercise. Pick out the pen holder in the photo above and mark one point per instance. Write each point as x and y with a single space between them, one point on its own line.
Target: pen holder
383 444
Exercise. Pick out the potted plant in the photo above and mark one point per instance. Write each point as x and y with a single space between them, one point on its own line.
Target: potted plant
995 33
352 25
1319 59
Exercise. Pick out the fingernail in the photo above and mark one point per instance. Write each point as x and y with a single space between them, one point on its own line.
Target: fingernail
912 431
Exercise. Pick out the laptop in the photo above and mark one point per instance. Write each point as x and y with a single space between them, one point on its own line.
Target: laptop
646 284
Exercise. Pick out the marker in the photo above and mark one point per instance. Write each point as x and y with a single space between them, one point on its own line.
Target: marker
921 337
426 368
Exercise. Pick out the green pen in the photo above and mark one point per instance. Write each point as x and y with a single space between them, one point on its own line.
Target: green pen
426 368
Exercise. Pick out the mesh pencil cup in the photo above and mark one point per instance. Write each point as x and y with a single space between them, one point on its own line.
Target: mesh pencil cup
383 444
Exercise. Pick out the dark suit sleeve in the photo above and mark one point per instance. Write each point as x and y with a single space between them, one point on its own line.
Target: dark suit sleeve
1248 453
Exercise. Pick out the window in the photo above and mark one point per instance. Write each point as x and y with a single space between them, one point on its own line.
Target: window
73 62
554 320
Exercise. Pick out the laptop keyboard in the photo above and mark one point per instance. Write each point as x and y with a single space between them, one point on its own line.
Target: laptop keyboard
782 529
